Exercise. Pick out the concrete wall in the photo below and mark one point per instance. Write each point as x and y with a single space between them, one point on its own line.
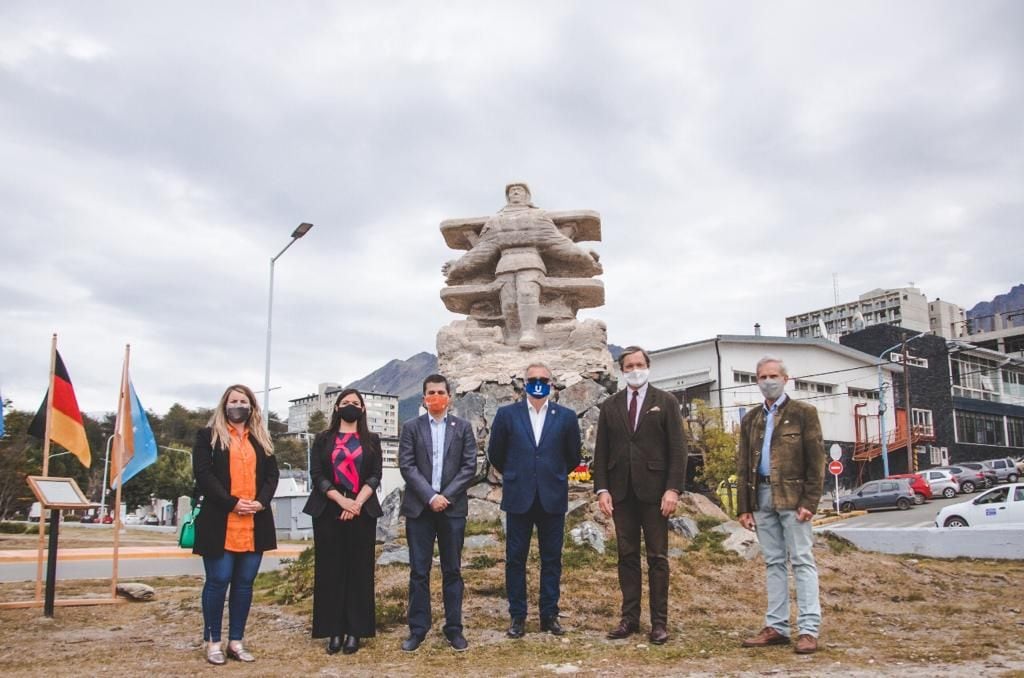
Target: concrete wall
937 542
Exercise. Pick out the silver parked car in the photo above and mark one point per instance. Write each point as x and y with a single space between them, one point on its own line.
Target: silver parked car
1005 468
942 481
969 479
991 477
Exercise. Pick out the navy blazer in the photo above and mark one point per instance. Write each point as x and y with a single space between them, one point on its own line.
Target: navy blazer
530 470
416 462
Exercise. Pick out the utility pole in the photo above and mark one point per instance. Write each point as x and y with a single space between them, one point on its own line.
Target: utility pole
911 466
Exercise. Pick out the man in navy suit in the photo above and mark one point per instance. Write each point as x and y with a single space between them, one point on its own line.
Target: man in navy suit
534 444
437 458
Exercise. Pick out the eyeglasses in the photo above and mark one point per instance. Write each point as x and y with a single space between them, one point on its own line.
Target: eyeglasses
543 380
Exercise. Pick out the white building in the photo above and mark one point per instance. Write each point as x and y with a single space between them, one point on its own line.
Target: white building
904 307
381 415
842 383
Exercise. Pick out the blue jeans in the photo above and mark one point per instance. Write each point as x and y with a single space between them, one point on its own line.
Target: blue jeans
550 535
239 570
781 534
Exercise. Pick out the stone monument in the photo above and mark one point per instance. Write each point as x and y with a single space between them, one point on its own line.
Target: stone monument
521 282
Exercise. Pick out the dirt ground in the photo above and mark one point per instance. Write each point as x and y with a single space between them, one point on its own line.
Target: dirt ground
882 614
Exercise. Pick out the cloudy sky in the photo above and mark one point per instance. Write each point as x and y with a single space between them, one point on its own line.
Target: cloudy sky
155 157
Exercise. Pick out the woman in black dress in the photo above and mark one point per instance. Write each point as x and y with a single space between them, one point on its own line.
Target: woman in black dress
345 469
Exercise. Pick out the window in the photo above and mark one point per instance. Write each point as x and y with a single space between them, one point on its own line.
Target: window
975 377
1015 427
913 361
744 377
994 497
921 420
862 394
979 429
1018 494
813 386
870 488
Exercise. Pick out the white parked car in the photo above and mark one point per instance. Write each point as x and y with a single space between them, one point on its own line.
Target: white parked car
942 482
1003 505
132 519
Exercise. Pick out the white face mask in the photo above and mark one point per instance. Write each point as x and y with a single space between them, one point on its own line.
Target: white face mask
771 389
636 378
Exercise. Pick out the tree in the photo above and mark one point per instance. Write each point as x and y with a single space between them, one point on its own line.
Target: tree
19 457
317 422
708 436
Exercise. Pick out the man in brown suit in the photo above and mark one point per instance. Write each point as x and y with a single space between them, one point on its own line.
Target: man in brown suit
639 471
780 465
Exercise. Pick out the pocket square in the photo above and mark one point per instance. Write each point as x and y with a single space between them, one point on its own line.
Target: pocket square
656 408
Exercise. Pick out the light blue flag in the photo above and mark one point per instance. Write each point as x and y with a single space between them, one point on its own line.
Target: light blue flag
1 415
145 441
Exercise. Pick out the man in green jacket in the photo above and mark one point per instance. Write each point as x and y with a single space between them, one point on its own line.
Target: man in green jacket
781 469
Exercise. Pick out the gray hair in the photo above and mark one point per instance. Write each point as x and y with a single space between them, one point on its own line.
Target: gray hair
542 366
771 359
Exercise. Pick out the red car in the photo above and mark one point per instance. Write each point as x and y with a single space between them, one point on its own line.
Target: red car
922 490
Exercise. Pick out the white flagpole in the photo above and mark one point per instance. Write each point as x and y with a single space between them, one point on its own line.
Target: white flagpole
117 465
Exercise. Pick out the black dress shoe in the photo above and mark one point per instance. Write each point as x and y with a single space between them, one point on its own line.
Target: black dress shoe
351 645
517 629
458 642
624 630
334 644
412 643
552 626
659 634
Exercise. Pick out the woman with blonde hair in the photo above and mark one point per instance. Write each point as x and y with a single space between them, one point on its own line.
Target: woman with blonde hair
346 464
236 475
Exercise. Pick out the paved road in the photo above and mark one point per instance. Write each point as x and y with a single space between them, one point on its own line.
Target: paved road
127 569
916 516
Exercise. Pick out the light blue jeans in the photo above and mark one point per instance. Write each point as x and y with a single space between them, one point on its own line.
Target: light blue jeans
780 535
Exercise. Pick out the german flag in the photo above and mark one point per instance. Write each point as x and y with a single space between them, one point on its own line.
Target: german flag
67 428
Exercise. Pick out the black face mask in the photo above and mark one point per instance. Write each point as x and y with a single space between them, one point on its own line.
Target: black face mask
237 413
350 413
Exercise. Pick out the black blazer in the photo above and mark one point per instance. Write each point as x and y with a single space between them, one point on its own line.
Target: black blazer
322 474
212 470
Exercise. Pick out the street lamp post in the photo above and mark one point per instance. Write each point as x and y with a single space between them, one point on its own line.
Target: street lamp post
881 402
301 230
106 464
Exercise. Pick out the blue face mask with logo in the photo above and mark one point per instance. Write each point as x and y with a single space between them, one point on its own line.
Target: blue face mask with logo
538 388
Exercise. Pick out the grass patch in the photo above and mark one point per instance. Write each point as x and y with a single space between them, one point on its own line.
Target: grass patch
291 584
22 528
482 562
474 527
706 523
838 545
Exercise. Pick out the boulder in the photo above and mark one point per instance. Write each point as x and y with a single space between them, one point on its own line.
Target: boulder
740 539
582 396
387 524
479 491
494 496
479 541
589 534
699 505
135 591
576 506
483 511
394 554
684 526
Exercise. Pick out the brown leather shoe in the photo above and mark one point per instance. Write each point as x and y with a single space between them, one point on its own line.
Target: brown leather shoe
768 636
624 630
659 634
806 644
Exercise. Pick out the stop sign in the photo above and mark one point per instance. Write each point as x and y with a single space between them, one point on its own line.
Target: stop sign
835 467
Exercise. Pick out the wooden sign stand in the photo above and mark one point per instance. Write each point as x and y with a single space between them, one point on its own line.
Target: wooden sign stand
56 494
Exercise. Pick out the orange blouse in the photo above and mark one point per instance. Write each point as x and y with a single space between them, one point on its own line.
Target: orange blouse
240 536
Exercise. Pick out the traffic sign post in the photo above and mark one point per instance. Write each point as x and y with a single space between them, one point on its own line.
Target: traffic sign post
835 467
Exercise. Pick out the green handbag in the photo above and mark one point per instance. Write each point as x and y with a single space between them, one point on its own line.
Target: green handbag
187 536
